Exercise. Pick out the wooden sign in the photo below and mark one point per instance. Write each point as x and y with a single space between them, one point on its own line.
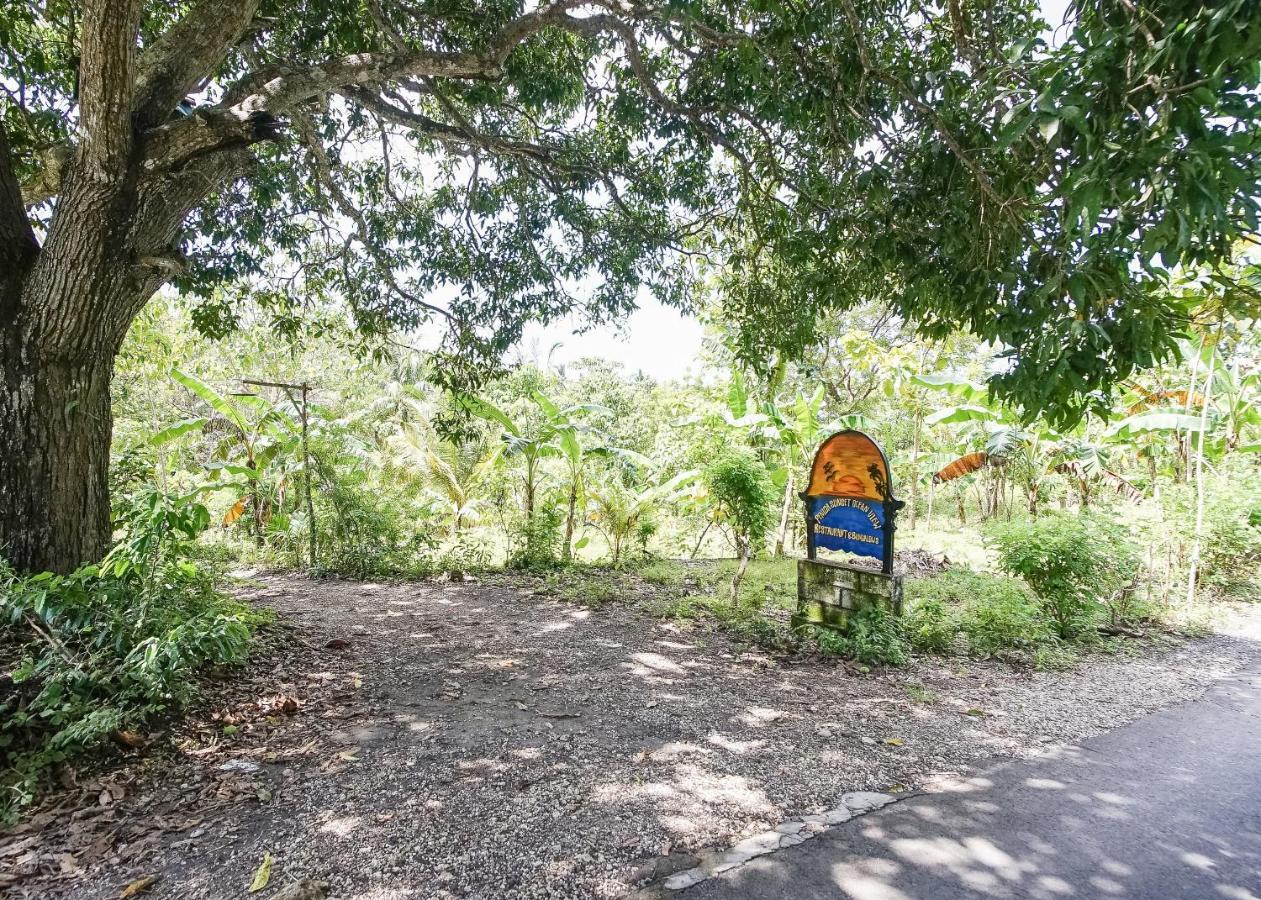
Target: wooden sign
849 500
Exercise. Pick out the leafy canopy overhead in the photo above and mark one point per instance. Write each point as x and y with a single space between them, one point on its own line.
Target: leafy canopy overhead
494 163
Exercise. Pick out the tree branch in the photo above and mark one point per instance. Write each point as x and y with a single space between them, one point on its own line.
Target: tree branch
324 173
106 79
17 240
187 53
289 87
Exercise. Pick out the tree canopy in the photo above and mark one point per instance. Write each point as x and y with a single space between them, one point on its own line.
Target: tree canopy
496 163
489 164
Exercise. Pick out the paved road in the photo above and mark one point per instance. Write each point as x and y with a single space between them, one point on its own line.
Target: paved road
1167 807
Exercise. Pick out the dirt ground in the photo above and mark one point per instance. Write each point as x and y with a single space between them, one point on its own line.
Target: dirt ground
480 740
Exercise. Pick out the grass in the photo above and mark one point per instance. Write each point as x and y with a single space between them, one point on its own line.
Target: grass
920 694
957 613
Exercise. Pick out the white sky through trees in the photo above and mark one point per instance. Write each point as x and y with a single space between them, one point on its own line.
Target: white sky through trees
657 340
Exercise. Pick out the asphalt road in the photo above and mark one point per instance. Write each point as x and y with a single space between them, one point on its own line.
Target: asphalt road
1166 807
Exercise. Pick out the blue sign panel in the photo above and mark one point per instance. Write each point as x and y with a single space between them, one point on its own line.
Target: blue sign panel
848 523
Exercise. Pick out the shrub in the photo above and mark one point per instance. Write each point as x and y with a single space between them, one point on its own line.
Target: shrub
1004 620
995 613
741 490
364 532
1230 546
1069 561
537 542
97 653
1053 658
874 638
930 626
468 554
1230 551
747 622
105 648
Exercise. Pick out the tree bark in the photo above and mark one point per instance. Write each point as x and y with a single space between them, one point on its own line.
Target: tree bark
744 550
55 427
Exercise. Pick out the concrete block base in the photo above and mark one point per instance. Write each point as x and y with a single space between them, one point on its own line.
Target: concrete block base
828 593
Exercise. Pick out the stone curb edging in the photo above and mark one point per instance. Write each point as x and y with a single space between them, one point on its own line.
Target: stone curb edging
786 834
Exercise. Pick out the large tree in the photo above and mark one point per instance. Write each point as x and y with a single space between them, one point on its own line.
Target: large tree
489 163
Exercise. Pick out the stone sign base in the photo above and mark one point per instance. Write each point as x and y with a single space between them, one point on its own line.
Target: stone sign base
828 593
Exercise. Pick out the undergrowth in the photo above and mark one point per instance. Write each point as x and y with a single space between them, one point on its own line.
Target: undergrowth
99 652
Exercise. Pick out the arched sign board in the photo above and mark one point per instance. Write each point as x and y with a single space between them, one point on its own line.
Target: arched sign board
849 501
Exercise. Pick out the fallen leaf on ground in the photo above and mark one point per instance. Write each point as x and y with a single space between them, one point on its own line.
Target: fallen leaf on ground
893 742
128 739
975 712
262 876
337 644
138 886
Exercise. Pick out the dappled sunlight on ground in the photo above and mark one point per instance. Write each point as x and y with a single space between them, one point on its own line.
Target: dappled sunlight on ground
1166 807
489 740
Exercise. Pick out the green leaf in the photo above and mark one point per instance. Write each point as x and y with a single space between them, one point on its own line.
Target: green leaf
1155 420
216 401
178 430
484 409
956 414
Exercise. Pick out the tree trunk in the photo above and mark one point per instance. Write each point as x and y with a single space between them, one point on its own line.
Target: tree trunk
62 321
781 535
569 520
1194 568
744 551
913 501
55 428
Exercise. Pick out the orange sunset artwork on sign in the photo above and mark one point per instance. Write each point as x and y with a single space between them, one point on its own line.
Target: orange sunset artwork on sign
849 464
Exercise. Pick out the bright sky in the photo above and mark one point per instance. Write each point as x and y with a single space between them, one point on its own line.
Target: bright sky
656 339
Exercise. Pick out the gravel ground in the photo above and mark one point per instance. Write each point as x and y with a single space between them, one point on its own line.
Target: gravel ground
478 741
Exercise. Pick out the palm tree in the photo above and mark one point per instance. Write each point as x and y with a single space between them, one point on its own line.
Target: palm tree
453 472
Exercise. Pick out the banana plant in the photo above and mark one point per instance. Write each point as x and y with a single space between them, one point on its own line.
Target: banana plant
571 436
1008 449
785 434
558 434
253 437
618 510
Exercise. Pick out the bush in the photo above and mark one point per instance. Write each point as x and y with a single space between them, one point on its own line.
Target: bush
930 626
874 638
994 613
536 544
100 652
1070 562
744 497
1005 620
747 622
1230 551
107 647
